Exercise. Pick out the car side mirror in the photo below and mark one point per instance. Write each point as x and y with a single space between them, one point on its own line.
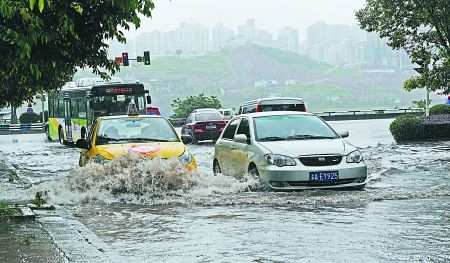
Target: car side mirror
186 138
82 144
343 134
149 99
241 138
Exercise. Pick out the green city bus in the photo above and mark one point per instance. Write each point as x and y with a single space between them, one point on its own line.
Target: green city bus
73 109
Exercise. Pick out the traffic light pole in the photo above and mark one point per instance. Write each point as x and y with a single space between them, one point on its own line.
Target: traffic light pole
427 103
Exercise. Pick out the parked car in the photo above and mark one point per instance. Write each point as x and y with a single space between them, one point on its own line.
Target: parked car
289 151
204 124
152 111
149 136
272 104
227 113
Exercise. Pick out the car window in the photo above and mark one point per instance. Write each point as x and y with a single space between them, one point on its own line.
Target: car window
244 128
122 130
230 130
284 107
292 127
207 117
249 109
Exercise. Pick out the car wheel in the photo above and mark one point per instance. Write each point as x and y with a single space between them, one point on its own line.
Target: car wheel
194 140
253 171
61 136
216 167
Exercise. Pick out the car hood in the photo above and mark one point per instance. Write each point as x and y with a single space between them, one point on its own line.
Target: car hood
296 148
149 150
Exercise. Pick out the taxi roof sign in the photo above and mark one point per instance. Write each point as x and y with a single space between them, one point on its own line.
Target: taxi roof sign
132 109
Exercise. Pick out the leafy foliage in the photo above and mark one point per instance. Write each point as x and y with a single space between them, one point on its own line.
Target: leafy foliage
45 116
405 128
183 108
440 109
420 103
29 117
422 28
43 47
6 211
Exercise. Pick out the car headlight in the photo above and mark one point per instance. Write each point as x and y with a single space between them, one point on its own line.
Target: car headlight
100 159
185 158
279 160
354 157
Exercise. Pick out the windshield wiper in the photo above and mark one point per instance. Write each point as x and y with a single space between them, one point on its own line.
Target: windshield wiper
272 138
307 137
146 140
106 138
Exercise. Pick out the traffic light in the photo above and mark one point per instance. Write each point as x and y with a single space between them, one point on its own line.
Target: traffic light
125 59
119 60
139 58
146 57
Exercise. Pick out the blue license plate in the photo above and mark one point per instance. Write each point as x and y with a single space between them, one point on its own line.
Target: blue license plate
324 176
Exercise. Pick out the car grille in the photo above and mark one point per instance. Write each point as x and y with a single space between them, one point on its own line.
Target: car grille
312 183
321 160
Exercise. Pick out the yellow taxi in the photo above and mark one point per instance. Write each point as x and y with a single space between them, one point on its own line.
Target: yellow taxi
149 136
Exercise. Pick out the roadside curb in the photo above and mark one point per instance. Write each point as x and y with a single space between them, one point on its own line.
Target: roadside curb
73 239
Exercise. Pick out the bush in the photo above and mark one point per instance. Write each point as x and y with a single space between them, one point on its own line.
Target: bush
183 108
406 128
440 109
29 117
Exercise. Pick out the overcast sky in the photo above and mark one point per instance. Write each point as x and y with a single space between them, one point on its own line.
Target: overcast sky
268 14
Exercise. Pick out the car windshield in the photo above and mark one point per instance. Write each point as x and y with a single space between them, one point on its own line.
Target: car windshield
210 116
131 129
292 127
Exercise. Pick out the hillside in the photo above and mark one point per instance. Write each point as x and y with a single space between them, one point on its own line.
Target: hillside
231 75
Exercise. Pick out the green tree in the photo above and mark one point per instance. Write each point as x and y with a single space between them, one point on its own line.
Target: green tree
421 28
183 108
43 47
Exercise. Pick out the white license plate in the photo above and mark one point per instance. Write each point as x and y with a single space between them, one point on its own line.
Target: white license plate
211 126
324 176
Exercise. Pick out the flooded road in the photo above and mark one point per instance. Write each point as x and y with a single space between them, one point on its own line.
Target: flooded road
402 216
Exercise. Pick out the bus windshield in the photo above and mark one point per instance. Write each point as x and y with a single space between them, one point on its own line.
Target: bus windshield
110 105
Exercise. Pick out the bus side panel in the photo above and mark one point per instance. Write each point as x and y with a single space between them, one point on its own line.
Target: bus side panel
77 125
53 124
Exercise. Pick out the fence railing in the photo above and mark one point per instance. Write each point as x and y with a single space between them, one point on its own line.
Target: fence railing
21 128
348 115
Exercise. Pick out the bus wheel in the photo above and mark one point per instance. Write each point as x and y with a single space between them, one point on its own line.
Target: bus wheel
61 136
47 133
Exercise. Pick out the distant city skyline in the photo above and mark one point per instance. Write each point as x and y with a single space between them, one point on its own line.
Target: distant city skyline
270 15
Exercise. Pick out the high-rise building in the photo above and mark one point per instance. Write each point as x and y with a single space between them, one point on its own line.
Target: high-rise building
288 39
194 38
221 36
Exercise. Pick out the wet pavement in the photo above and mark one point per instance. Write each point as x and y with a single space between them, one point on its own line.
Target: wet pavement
402 216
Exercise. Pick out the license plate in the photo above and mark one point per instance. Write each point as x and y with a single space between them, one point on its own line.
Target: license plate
324 176
211 126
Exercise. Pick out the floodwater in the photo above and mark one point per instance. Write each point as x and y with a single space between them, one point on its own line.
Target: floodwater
155 211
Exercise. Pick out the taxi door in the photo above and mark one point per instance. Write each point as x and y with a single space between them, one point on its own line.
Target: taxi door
239 150
224 148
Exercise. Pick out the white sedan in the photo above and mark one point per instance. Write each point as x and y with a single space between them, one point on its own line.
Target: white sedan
289 151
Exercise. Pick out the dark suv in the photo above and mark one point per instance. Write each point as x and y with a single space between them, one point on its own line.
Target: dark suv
204 124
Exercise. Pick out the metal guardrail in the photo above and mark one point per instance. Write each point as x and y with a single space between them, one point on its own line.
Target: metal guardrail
347 115
21 128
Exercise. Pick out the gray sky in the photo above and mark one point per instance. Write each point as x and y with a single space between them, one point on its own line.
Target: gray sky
269 14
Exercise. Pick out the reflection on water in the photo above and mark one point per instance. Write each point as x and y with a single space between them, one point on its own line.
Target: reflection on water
155 211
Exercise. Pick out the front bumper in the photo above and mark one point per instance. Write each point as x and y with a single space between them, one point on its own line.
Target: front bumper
298 177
